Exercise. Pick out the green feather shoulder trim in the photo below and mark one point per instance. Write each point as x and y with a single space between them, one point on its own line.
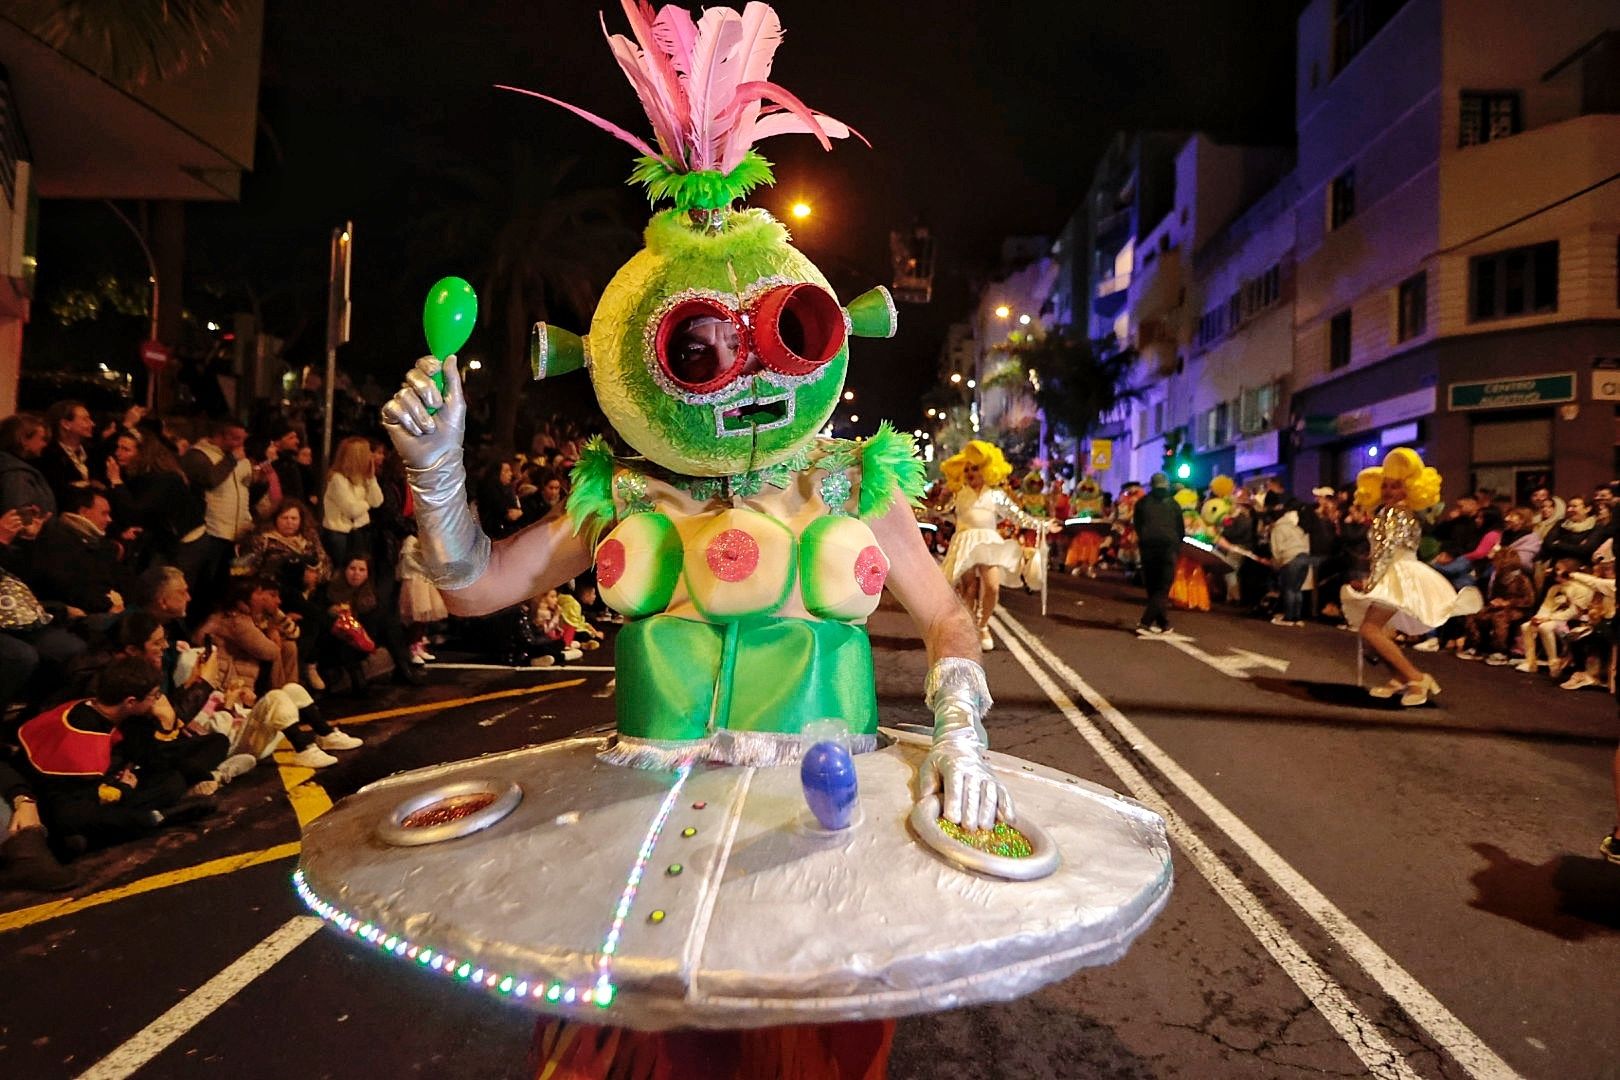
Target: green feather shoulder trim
590 502
889 464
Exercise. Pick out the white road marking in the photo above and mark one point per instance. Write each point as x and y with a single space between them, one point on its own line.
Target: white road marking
1450 1033
198 1005
1235 664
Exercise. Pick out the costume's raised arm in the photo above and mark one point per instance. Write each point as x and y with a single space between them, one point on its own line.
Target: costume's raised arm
427 428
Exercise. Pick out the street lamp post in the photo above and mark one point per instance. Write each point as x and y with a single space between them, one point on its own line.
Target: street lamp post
337 322
152 277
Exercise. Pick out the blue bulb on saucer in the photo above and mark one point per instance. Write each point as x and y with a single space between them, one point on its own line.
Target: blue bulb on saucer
830 786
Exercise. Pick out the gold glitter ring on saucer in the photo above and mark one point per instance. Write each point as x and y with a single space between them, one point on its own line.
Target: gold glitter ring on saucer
1018 852
449 811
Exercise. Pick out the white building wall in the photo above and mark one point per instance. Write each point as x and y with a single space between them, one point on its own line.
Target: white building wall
1380 117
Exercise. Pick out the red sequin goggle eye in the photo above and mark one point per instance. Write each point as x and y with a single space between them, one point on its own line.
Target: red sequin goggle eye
703 346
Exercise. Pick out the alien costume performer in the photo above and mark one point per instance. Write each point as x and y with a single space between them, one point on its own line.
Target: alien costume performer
671 877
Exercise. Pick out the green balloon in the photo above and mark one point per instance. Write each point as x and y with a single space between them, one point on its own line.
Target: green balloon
449 315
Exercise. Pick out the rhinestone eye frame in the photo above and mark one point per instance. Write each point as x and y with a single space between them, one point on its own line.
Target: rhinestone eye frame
793 329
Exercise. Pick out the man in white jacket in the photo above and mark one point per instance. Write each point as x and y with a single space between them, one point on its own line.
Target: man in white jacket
1291 555
219 473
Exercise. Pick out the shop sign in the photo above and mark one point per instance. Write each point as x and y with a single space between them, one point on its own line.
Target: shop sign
1256 452
1606 385
1511 393
1102 454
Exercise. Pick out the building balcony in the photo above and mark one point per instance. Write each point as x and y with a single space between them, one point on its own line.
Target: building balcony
1484 188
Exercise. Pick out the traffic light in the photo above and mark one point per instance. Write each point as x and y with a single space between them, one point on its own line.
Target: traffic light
1177 458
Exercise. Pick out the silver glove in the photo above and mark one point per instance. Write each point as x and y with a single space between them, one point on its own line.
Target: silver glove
455 550
954 769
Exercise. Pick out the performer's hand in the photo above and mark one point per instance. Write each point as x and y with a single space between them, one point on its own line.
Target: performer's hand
969 794
423 441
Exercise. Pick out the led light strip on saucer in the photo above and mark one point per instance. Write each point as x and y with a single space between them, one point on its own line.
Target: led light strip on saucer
513 986
599 993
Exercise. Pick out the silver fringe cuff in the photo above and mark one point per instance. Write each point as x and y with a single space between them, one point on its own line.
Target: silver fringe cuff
633 753
768 749
747 749
958 696
455 551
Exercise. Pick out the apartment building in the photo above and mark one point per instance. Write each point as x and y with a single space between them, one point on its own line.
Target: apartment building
1457 240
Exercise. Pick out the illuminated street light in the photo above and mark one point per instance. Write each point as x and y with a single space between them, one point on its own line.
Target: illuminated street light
801 210
474 365
1183 471
1023 320
972 383
849 395
918 433
932 413
854 419
1002 311
956 376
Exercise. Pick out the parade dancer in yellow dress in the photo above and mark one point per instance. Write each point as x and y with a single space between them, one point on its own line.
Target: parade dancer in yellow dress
979 558
1400 592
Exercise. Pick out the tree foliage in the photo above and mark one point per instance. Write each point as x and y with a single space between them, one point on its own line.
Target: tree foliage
537 248
131 42
1082 383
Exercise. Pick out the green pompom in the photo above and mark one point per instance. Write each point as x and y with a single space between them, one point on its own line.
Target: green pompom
703 190
889 464
590 502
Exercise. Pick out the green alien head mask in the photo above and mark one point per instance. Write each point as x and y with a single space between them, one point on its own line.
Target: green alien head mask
718 348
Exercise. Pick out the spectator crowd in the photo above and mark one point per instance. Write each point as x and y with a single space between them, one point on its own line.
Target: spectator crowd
177 597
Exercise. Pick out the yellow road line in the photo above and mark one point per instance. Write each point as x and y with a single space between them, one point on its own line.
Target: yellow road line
28 916
310 800
435 706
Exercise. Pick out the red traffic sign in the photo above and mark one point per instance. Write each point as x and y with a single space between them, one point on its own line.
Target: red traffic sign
155 355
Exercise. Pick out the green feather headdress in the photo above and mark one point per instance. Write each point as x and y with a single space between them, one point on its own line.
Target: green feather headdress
705 86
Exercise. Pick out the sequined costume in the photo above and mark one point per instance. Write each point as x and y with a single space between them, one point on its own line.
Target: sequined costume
1422 598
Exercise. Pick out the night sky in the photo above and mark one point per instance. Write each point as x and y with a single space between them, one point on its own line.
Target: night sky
985 121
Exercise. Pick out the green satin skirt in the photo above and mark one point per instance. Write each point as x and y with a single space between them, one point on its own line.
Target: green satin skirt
766 675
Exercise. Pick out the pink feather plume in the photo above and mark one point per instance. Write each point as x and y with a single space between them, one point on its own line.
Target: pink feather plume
705 85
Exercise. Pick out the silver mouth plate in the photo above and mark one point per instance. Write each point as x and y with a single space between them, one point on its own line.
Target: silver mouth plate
746 415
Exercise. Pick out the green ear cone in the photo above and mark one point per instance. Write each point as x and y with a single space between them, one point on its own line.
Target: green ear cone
553 351
872 314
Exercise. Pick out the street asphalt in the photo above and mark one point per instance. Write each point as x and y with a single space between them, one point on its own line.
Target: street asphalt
1361 889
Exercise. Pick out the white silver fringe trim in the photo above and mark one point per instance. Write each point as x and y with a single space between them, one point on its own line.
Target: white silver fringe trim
768 749
637 753
750 749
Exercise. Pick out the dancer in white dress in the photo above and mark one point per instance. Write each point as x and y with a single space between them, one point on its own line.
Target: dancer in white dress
1401 592
979 557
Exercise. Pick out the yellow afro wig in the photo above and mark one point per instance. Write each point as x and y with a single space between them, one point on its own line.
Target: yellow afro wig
1403 464
986 456
1221 486
1186 498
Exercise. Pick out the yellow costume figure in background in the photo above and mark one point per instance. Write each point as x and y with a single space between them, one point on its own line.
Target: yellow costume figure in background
979 557
1189 589
1086 547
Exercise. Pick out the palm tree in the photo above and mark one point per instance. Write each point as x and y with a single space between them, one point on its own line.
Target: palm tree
538 249
1082 383
130 42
